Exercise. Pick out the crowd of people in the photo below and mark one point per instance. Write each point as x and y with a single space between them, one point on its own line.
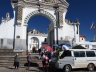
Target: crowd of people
45 56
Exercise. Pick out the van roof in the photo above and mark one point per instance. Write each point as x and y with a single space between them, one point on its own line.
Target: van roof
81 50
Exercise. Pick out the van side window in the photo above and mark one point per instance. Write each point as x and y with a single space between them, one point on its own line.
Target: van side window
65 53
79 53
90 53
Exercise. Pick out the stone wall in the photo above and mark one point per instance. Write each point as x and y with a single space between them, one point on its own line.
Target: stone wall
6 43
20 44
62 41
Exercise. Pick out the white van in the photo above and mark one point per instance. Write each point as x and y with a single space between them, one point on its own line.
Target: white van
75 58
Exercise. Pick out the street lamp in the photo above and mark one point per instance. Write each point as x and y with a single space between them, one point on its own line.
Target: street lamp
75 32
73 40
56 6
15 19
77 23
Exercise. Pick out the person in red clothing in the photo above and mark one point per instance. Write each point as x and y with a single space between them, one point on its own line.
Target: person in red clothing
45 61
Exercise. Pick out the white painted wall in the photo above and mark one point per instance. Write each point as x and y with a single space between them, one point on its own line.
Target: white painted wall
7 29
67 31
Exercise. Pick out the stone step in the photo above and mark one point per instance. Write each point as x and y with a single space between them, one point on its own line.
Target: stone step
20 59
21 64
9 53
6 50
33 56
9 60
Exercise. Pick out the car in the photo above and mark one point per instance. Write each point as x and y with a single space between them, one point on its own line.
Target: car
75 58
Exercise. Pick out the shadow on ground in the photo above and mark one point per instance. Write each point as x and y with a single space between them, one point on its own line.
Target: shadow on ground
24 66
9 67
32 64
49 70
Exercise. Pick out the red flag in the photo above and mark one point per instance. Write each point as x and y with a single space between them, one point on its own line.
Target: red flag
92 26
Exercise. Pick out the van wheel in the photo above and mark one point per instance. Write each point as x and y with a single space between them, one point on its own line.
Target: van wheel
90 67
67 68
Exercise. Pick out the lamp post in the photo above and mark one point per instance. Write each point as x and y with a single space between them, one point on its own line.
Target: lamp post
73 40
57 20
15 19
75 32
77 26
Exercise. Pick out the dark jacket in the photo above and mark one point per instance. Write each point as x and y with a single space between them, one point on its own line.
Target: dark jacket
29 58
16 58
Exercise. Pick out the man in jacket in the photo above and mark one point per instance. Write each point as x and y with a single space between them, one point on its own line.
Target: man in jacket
29 58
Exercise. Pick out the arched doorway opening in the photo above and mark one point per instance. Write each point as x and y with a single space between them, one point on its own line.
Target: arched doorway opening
34 44
42 34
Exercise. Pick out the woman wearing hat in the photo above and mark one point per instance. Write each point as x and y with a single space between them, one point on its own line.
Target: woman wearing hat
16 61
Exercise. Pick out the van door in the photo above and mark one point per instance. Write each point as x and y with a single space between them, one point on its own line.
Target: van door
79 59
91 57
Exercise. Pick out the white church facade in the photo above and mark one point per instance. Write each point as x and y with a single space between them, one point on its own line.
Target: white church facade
35 38
13 31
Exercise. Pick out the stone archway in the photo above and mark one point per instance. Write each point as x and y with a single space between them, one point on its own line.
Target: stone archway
50 16
24 9
42 12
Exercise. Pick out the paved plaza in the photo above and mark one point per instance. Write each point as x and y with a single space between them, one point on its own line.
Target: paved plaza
34 69
21 69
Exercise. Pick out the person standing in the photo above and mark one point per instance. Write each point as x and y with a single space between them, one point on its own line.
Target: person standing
45 61
29 58
16 61
39 53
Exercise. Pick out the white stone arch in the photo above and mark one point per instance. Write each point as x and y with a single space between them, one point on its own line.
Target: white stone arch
44 13
35 38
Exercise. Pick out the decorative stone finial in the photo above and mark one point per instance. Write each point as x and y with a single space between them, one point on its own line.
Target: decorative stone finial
7 15
77 21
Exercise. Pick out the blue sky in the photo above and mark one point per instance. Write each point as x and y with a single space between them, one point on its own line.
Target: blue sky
84 10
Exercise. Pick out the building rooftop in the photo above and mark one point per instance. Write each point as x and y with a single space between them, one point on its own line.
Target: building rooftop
35 31
82 36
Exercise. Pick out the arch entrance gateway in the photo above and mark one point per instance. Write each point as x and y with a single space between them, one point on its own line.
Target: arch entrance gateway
54 10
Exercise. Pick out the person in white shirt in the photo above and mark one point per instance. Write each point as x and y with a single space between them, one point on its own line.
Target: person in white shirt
65 47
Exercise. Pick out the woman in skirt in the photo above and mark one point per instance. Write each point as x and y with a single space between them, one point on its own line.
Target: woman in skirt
16 61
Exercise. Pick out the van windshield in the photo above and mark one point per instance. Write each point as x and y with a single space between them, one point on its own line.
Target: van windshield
65 54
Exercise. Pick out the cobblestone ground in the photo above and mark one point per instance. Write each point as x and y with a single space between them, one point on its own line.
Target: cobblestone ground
21 69
34 69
